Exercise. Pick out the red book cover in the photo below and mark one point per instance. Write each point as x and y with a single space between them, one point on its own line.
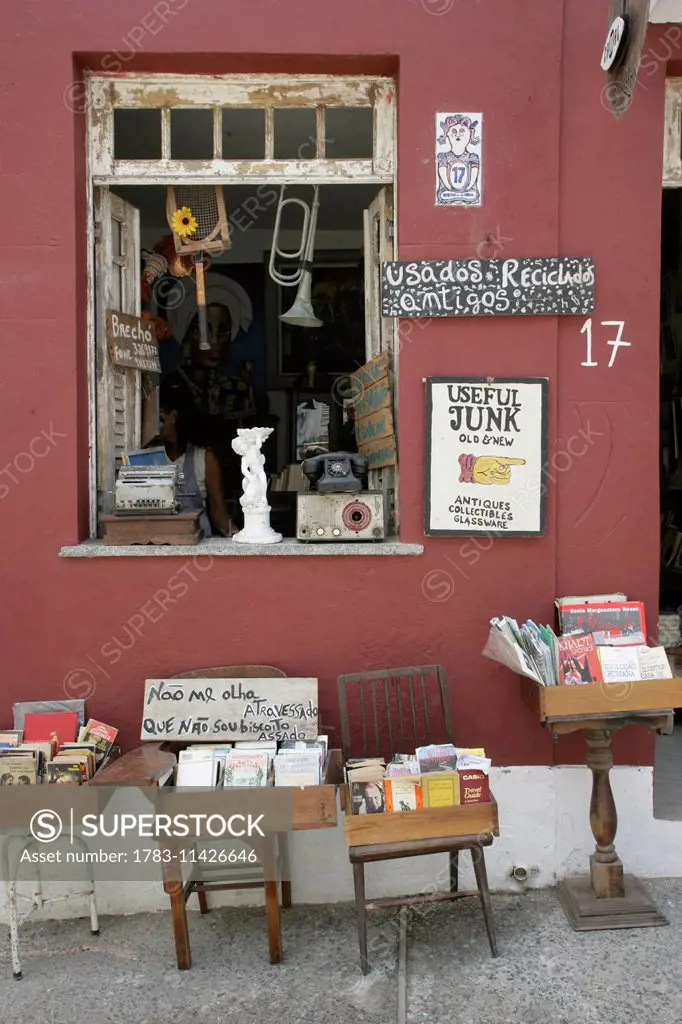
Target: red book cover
621 624
39 728
474 786
579 661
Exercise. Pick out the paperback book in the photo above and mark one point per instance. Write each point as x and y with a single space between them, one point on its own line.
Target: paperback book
578 661
244 769
18 770
60 773
403 794
618 623
437 758
633 664
367 797
102 735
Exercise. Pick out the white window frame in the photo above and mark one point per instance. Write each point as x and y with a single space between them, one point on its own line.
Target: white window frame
672 144
105 93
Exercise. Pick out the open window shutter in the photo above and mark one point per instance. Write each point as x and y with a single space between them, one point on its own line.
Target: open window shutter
380 331
117 262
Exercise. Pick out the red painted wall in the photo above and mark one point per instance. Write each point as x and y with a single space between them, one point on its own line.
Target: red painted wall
561 177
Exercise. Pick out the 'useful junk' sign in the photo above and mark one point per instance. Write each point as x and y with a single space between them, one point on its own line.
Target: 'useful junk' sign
552 286
486 454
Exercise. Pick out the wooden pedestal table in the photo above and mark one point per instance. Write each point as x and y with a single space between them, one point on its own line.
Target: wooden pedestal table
606 898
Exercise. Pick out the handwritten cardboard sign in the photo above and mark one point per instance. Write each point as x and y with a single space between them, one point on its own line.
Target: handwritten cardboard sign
230 709
132 342
511 287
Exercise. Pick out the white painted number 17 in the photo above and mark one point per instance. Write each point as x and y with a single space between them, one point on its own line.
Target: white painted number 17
615 343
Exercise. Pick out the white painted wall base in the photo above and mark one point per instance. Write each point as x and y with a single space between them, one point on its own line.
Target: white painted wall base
544 827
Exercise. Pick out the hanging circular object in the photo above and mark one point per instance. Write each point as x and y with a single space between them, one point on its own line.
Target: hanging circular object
614 47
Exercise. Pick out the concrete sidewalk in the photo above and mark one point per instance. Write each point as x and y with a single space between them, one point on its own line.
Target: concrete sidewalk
545 974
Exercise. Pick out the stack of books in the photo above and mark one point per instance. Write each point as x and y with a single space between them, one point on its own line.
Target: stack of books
439 775
46 750
602 639
253 763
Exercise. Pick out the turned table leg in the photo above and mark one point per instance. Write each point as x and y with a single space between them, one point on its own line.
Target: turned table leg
606 869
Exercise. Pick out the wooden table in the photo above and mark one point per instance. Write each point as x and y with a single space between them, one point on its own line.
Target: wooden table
607 897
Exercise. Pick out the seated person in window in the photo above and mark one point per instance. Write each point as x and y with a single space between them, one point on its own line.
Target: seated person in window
214 391
181 437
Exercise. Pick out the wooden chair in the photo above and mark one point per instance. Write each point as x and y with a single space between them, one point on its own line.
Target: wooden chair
274 855
395 711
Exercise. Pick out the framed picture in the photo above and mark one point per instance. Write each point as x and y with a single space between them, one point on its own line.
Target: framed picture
486 450
458 158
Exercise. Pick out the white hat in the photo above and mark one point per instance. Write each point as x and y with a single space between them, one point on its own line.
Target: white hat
220 291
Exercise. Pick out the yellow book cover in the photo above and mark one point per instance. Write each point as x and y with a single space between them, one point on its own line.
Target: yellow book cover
470 751
440 789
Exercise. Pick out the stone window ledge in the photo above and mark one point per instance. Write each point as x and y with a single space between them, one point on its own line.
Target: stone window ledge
220 547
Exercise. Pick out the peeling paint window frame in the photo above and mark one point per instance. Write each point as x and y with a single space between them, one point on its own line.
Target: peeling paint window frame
672 148
105 93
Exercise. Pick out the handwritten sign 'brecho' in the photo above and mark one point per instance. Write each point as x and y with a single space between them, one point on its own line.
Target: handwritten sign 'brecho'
132 342
230 709
513 287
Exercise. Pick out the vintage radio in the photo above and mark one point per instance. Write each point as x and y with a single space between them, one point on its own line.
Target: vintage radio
340 517
147 490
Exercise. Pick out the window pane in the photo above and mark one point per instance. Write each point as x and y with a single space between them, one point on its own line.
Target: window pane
348 133
243 134
295 134
116 286
116 237
191 134
137 134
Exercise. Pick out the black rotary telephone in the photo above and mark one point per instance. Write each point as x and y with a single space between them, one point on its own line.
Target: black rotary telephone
336 472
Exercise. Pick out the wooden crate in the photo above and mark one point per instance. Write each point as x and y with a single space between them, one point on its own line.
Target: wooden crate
313 806
427 823
182 528
601 698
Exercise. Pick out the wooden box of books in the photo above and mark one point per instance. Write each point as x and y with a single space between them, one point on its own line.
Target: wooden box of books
601 698
425 823
314 806
440 791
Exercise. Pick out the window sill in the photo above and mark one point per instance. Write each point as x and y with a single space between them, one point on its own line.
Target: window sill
220 547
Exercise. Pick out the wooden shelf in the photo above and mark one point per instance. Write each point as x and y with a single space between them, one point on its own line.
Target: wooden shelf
601 698
427 823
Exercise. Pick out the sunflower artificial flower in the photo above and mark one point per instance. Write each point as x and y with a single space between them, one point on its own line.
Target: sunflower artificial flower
184 222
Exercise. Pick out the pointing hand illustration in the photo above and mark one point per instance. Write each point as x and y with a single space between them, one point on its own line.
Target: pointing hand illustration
487 469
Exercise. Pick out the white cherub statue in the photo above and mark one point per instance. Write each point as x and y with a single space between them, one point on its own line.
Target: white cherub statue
257 529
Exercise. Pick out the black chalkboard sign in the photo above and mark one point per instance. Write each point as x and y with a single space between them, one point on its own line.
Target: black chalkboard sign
512 287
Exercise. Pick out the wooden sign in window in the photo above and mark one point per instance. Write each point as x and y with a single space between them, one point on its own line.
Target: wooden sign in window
132 342
372 401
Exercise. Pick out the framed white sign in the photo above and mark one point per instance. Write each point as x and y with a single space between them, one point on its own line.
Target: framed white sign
486 450
459 168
